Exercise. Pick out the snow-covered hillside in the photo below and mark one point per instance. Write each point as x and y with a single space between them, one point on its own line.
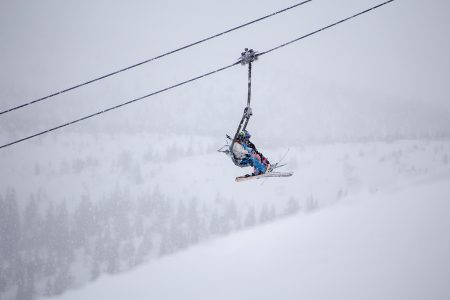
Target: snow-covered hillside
385 246
105 204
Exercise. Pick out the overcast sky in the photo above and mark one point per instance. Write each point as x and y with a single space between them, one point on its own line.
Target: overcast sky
397 54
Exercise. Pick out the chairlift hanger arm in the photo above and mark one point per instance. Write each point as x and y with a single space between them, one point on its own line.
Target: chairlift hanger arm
247 57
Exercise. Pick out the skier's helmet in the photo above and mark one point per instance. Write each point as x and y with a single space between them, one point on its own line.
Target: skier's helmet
244 135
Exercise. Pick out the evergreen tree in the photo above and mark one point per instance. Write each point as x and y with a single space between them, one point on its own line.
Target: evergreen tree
84 222
38 264
144 248
272 212
19 278
293 206
138 226
112 259
110 247
178 228
63 239
193 222
178 234
162 212
20 293
26 289
49 289
145 206
63 280
250 220
311 204
99 250
48 236
10 230
31 227
3 282
224 224
128 254
264 215
232 215
166 245
2 227
121 225
95 270
120 207
214 226
204 223
50 265
29 280
181 215
30 290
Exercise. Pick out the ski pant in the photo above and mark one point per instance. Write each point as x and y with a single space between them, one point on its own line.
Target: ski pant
253 160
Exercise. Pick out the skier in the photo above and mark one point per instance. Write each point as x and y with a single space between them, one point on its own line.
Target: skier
242 152
246 154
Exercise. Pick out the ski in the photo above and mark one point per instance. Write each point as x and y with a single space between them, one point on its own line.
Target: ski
265 175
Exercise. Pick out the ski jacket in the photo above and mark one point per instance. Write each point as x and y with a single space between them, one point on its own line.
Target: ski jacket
239 151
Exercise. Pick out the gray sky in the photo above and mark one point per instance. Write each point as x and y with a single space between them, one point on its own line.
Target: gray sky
394 60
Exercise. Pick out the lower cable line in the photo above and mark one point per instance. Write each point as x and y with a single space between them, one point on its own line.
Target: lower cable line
118 106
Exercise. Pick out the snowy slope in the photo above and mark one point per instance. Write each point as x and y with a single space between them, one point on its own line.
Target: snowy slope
186 171
372 246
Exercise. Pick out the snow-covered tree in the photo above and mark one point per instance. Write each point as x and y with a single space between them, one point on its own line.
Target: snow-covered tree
292 207
10 226
95 270
63 280
31 226
144 248
128 254
193 222
250 219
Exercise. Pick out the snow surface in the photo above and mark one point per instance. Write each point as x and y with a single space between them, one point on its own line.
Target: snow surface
392 245
335 178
